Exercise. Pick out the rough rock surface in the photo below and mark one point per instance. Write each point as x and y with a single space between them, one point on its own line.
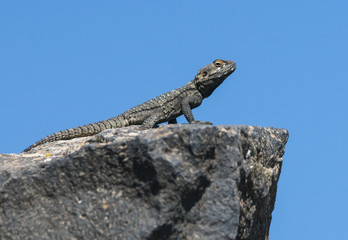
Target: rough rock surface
172 182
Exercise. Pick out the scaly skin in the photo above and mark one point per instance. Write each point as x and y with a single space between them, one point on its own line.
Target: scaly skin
164 108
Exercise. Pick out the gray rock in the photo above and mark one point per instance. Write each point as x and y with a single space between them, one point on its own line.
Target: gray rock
173 182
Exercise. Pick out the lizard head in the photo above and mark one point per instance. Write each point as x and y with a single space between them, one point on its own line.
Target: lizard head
211 76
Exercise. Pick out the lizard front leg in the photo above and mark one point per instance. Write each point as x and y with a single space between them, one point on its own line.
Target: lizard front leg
187 104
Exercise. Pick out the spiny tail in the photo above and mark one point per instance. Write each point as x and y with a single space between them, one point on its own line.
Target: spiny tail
82 131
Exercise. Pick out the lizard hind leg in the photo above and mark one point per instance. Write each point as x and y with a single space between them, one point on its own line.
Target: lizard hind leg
151 121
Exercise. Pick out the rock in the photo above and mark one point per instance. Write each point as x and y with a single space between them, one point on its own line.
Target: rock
173 182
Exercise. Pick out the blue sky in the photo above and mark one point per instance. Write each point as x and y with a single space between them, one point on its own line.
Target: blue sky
65 64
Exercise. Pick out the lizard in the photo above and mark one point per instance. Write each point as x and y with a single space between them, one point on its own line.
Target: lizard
164 108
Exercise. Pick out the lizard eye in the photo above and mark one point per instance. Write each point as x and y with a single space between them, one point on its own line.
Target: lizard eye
218 63
204 74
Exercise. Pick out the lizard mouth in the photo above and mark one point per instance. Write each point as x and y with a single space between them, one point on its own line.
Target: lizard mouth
233 67
230 69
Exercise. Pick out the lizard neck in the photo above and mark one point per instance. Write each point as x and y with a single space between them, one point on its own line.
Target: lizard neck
208 87
189 86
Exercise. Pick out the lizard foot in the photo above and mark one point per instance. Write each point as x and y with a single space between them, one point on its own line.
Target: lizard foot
200 122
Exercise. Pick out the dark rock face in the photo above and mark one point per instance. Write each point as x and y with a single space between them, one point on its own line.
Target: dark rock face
173 182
